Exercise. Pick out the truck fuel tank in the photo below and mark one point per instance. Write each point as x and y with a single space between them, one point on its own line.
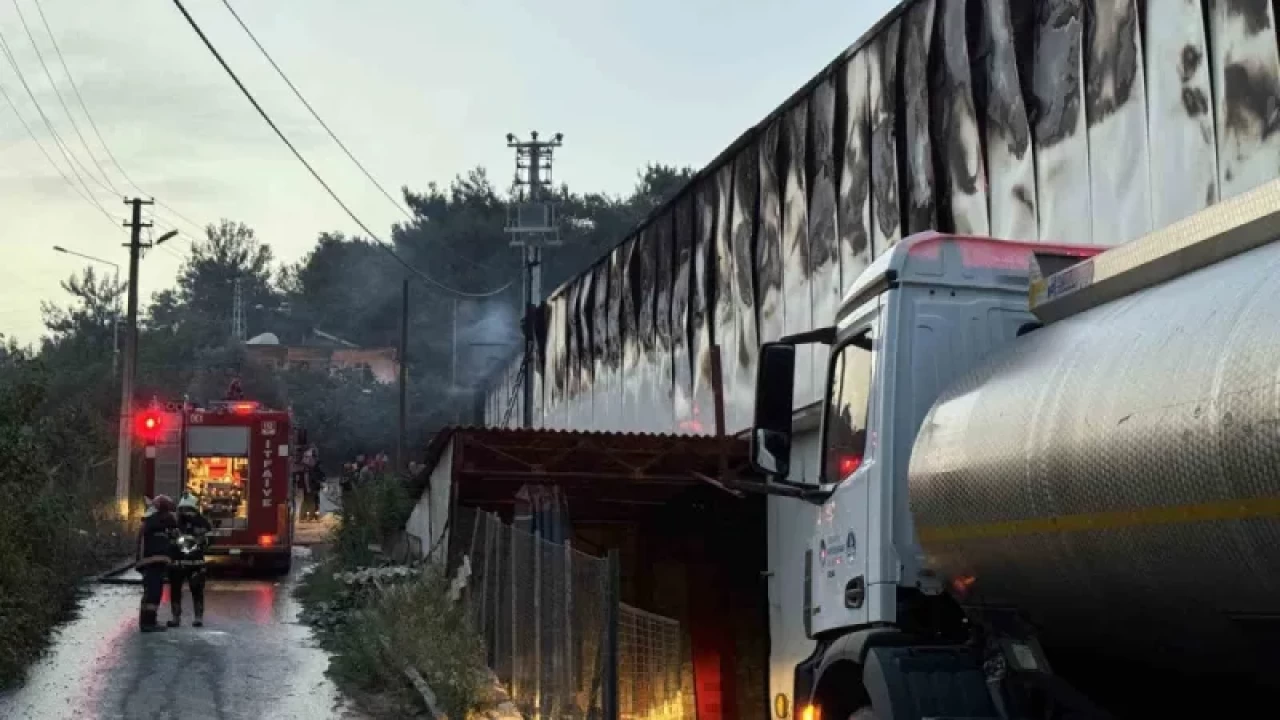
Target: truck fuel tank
1116 475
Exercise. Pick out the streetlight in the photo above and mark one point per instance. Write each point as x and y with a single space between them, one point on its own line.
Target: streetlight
115 315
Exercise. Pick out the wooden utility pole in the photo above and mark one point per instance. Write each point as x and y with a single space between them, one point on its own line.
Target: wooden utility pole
124 441
402 463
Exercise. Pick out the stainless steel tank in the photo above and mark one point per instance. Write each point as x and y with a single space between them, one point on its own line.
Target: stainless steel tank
1116 475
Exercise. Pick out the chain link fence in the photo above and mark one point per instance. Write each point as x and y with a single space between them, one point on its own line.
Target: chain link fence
555 632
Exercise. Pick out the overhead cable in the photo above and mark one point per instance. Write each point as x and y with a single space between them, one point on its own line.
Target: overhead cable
345 208
71 161
43 151
333 136
109 187
94 125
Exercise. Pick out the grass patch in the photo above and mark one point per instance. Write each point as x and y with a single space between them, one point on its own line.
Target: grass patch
375 618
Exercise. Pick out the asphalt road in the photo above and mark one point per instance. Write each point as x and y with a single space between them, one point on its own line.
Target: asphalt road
251 660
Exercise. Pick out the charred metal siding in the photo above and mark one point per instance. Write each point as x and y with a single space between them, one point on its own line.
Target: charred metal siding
1064 120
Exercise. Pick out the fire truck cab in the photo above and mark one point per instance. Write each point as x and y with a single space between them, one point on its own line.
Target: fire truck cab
235 458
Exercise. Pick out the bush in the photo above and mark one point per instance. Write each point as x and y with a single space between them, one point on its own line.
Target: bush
50 540
372 515
354 604
432 634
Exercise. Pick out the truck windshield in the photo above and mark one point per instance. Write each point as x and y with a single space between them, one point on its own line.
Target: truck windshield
846 414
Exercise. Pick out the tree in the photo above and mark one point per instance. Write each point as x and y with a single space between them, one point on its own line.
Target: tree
206 284
89 318
347 287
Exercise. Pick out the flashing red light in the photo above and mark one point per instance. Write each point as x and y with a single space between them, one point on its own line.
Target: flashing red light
148 426
244 407
848 465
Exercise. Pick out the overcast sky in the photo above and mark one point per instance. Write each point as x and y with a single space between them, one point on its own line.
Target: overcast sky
420 90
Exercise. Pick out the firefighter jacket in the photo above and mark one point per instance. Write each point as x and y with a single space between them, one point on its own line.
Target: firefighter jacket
193 537
156 541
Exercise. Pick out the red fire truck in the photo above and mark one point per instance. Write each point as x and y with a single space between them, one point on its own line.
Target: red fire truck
235 457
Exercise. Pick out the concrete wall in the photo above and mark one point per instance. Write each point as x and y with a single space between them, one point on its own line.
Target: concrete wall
430 517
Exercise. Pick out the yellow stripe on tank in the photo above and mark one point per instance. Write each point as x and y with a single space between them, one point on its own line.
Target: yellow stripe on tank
1083 522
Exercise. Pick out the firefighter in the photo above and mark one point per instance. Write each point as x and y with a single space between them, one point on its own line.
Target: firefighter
188 560
154 546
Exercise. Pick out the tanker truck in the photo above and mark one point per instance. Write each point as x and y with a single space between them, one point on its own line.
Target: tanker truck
1032 449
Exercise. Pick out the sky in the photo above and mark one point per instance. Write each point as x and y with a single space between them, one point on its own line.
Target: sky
419 90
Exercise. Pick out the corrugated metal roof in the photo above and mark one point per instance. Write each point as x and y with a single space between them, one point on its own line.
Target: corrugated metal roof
440 440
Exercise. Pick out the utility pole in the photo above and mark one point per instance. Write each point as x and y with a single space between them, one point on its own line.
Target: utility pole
124 441
453 364
401 437
237 312
531 220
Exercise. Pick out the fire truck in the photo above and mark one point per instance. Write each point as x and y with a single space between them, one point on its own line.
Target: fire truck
235 457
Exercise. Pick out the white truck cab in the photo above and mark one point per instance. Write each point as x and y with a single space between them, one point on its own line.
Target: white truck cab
925 312
1107 484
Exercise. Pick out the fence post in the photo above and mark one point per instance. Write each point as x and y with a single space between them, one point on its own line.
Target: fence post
482 613
515 657
539 704
613 592
569 651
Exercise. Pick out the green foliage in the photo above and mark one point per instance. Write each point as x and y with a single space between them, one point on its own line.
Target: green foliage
372 515
55 509
355 603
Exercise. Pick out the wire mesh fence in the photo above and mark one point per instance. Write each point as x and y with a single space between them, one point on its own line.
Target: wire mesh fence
649 667
545 611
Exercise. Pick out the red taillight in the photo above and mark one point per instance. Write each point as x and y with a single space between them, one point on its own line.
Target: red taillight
266 540
991 254
849 464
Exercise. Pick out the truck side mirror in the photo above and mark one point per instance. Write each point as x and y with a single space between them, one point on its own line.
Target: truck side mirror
771 425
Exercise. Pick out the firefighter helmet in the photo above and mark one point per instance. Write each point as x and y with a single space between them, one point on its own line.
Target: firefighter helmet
188 502
163 503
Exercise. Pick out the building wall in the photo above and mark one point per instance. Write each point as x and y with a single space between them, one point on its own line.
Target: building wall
1085 121
429 520
380 361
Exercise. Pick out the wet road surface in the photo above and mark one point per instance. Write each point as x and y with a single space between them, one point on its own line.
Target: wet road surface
251 660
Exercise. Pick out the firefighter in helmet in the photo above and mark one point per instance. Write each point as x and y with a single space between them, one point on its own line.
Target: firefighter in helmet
159 526
188 560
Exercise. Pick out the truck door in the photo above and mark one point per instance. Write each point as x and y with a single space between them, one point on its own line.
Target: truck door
845 524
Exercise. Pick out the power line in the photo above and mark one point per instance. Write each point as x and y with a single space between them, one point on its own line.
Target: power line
283 138
61 101
333 136
93 123
13 63
43 151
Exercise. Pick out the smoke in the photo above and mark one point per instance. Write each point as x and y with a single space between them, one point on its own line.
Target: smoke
488 334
